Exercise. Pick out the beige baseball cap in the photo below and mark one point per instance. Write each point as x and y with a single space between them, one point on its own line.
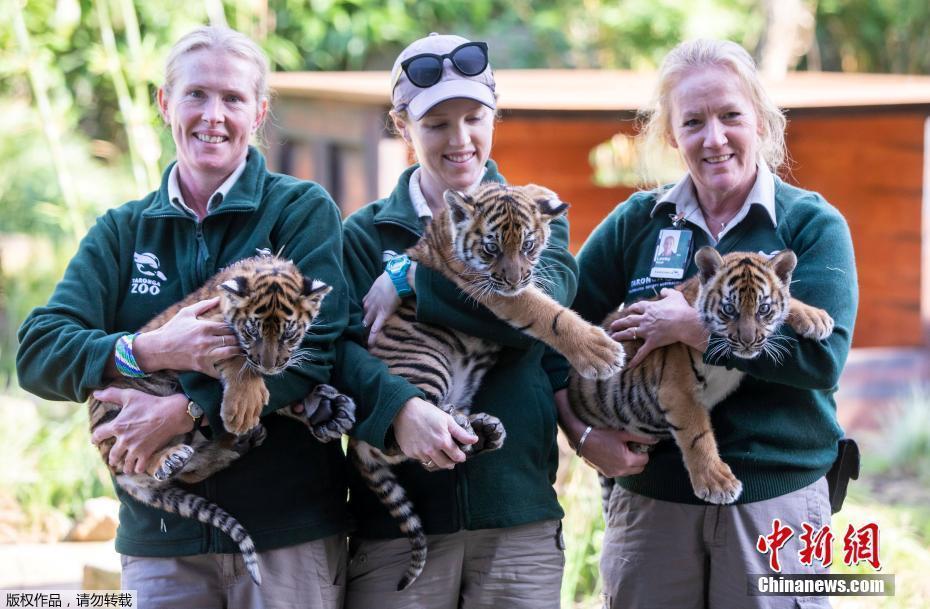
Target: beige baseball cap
417 101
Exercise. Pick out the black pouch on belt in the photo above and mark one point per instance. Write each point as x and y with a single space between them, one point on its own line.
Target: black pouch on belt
845 467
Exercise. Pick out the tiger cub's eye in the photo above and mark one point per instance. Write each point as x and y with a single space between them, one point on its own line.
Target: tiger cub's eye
528 245
729 309
764 308
491 248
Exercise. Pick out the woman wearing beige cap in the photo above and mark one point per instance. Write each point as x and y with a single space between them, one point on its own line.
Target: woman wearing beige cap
493 527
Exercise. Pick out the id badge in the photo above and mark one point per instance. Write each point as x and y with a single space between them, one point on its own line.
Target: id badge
673 250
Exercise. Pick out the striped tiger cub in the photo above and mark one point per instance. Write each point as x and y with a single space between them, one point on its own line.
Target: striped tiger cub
270 305
742 299
489 244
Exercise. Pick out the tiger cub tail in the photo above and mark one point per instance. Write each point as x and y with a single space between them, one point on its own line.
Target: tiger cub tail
188 505
383 483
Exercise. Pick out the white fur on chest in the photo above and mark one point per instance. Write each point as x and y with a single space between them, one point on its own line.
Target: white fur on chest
719 383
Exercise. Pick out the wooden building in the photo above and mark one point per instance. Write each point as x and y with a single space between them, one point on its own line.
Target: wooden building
860 140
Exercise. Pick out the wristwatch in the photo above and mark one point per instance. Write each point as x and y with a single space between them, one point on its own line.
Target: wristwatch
195 412
397 270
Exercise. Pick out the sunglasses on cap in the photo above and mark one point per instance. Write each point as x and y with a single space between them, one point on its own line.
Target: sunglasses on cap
425 70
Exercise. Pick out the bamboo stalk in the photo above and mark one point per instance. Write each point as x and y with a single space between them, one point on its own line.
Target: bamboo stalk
215 12
50 124
147 142
124 98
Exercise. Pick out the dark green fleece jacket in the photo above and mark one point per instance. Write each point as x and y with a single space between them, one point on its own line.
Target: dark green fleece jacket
508 487
142 257
778 430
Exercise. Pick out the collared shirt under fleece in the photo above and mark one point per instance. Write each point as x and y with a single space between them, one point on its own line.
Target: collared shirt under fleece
144 256
778 431
504 488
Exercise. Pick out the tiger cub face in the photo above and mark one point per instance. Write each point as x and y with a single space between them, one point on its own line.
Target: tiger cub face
500 231
270 305
744 299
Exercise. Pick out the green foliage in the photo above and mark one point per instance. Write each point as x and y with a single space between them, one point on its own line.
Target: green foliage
46 459
901 448
583 529
29 187
874 35
902 549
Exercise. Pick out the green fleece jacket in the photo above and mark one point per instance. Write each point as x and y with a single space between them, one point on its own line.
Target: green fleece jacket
778 431
508 487
142 257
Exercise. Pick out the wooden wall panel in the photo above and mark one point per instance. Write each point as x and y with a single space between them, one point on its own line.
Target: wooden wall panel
870 166
554 153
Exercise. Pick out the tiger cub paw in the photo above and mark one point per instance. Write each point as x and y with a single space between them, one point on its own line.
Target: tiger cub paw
243 406
811 322
173 462
597 356
490 432
251 439
326 412
717 484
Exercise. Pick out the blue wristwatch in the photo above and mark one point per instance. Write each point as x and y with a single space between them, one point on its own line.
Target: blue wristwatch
397 270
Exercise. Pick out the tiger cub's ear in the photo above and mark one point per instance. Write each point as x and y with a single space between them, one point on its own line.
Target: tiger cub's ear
783 264
550 206
314 291
462 206
237 287
708 261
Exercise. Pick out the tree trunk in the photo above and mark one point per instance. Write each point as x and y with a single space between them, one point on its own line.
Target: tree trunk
787 35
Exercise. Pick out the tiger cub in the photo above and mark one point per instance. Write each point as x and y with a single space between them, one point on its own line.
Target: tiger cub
742 299
270 305
489 244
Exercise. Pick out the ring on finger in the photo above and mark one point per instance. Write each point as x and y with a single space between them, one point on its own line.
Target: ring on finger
634 332
427 464
224 340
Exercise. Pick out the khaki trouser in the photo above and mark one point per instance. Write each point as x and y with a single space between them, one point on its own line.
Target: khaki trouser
511 568
658 554
309 575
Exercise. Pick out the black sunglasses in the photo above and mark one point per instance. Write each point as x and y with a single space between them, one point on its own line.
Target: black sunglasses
425 70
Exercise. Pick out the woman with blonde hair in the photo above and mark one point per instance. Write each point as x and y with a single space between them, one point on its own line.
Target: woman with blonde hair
217 204
778 431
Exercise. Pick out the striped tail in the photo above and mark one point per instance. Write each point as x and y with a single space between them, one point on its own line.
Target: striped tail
383 483
188 505
413 528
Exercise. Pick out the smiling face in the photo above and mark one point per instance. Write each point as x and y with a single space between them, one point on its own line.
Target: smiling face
452 143
716 129
213 110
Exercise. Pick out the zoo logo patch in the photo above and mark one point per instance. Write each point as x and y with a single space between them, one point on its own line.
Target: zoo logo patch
147 264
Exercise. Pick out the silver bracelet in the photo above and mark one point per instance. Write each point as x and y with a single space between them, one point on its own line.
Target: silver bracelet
584 436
